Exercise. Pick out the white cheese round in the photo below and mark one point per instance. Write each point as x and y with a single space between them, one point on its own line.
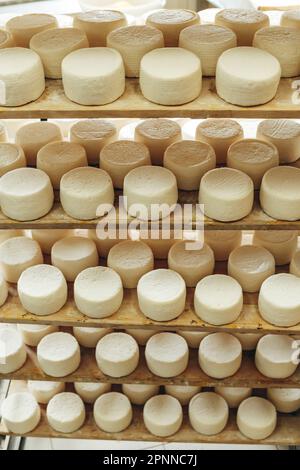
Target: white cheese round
244 23
220 355
141 335
282 244
58 354
47 238
139 394
90 392
98 24
24 27
3 290
285 135
234 396
163 415
11 157
33 334
89 337
18 254
275 356
223 242
256 418
285 400
295 264
291 19
20 413
6 39
66 412
183 393
193 338
249 341
113 412
43 392
167 355
208 413
12 350
117 355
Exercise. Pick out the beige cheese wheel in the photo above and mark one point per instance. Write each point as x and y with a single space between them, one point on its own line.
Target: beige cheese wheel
58 354
208 413
223 242
117 355
43 392
3 132
220 355
35 135
90 392
282 244
183 393
98 24
141 335
3 290
172 22
113 412
249 341
26 194
33 334
285 135
12 350
21 76
24 27
11 157
234 396
133 42
167 355
208 42
244 23
247 76
291 19
189 161
193 338
285 400
275 356
47 238
20 413
139 394
54 45
295 264
283 44
94 76
163 415
89 337
66 412
119 158
6 39
256 418
18 254
93 135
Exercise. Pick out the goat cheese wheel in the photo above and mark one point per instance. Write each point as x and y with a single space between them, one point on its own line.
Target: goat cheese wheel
26 194
89 337
183 393
98 24
141 335
20 413
163 415
94 76
34 136
11 157
113 412
117 355
248 341
84 190
244 23
285 400
43 392
18 254
66 412
151 192
12 350
295 264
220 355
119 158
275 355
189 161
223 242
89 392
257 418
234 396
291 19
208 413
161 295
33 334
58 354
171 76
93 135
98 292
47 238
226 194
193 338
167 355
24 27
21 76
282 244
247 76
3 290
285 135
42 289
6 39
139 394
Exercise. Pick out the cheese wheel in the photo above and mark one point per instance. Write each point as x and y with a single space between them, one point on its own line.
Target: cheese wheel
275 356
158 134
291 19
251 265
141 335
6 39
84 190
220 355
89 392
119 158
189 161
220 134
89 337
26 194
98 24
47 238
223 242
193 338
247 76
161 295
3 290
98 292
93 135
248 341
167 355
256 418
3 132
12 350
43 392
208 42
285 135
7 234
66 412
113 412
117 355
244 23
58 354
163 415
285 400
94 76
282 244
24 27
11 158
183 393
234 396
139 394
295 264
172 22
20 413
33 334
21 76
18 254
226 194
208 413
171 76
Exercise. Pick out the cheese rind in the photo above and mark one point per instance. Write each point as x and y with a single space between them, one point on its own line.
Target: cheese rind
98 24
58 354
208 413
249 341
223 242
291 19
234 396
12 350
167 355
24 27
282 244
220 355
138 394
6 39
244 23
117 355
3 132
11 157
43 392
113 412
90 392
183 393
285 400
20 413
66 412
295 264
171 23
163 415
47 238
275 355
18 254
285 135
89 337
33 334
257 418
3 290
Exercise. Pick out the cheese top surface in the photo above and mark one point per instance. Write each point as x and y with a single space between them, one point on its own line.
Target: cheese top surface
58 38
58 346
247 16
190 258
101 16
144 179
87 180
209 407
112 406
93 129
257 411
276 348
31 20
221 347
283 289
172 16
65 407
219 291
207 34
117 347
171 63
162 410
278 34
135 35
131 254
190 153
162 285
24 182
73 248
38 281
37 132
228 183
93 62
158 129
220 128
252 259
19 407
17 61
167 347
281 129
252 151
125 152
9 153
18 250
284 182
11 340
99 282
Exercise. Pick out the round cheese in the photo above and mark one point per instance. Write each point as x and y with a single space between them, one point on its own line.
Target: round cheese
285 400
171 76
98 24
223 242
139 394
21 75
90 392
18 254
47 238
256 418
291 19
6 39
167 355
7 234
3 132
22 28
234 396
285 135
119 158
12 350
33 334
220 355
295 264
84 190
247 76
11 158
66 412
248 341
3 290
208 413
98 292
20 413
141 335
226 194
94 76
282 244
161 295
42 289
163 415
89 337
117 355
244 23
113 412
193 338
58 354
43 392
183 393
275 356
